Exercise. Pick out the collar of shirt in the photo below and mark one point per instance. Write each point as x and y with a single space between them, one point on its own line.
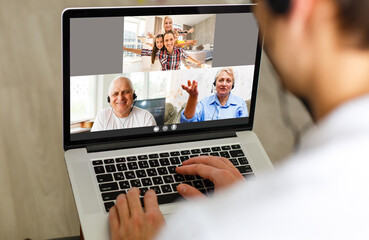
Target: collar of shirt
349 119
231 100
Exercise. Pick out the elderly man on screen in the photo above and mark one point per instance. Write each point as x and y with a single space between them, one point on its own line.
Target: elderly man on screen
221 105
122 113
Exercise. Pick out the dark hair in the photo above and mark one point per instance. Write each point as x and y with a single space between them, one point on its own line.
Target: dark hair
354 20
155 48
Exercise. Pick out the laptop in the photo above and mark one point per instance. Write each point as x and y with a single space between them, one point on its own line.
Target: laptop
102 164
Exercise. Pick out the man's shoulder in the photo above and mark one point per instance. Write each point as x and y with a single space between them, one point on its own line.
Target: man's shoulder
140 111
105 112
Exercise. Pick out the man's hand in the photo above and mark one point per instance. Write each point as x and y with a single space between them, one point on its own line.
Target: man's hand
218 170
128 220
191 88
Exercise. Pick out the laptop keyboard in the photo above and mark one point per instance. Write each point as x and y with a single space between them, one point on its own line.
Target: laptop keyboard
156 171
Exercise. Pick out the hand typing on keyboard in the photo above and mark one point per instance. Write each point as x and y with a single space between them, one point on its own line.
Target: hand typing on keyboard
128 220
218 170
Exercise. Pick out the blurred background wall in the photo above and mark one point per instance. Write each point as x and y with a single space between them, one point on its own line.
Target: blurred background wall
36 201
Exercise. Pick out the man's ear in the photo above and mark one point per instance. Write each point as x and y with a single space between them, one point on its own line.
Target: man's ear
299 15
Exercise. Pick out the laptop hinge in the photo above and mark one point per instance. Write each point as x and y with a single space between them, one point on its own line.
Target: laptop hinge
159 141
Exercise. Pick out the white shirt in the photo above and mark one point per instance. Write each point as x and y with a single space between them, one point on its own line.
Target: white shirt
321 192
107 120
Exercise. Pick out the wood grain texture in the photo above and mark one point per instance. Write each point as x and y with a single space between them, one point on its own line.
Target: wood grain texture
36 198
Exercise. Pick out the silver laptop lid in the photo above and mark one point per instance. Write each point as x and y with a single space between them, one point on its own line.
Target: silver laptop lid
93 55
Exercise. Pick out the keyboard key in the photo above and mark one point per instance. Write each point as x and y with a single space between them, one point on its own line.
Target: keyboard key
236 146
179 178
130 175
204 154
108 187
110 168
156 189
189 177
234 161
174 186
109 161
208 183
224 154
164 155
118 176
111 196
174 160
97 162
146 182
143 191
244 169
141 173
210 191
205 150
124 185
121 167
153 156
198 184
157 180
175 154
226 147
194 155
188 183
166 188
154 163
214 154
120 160
164 161
172 169
99 169
143 157
168 179
108 205
249 176
195 151
237 153
135 183
104 178
203 191
132 165
143 164
243 160
168 198
162 171
216 149
184 158
132 158
185 152
151 172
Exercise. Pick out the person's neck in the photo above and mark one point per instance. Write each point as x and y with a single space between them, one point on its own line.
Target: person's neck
223 99
343 77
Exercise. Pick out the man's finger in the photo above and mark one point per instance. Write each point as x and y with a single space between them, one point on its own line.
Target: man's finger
188 191
134 203
151 201
114 219
217 162
122 208
204 171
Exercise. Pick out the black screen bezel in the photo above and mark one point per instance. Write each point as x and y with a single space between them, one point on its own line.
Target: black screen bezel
189 128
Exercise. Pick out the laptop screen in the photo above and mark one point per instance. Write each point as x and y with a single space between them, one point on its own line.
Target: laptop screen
130 73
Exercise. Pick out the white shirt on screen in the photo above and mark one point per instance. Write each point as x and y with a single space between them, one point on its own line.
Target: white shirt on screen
107 120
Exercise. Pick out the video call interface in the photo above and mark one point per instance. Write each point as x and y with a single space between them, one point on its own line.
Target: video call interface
143 73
